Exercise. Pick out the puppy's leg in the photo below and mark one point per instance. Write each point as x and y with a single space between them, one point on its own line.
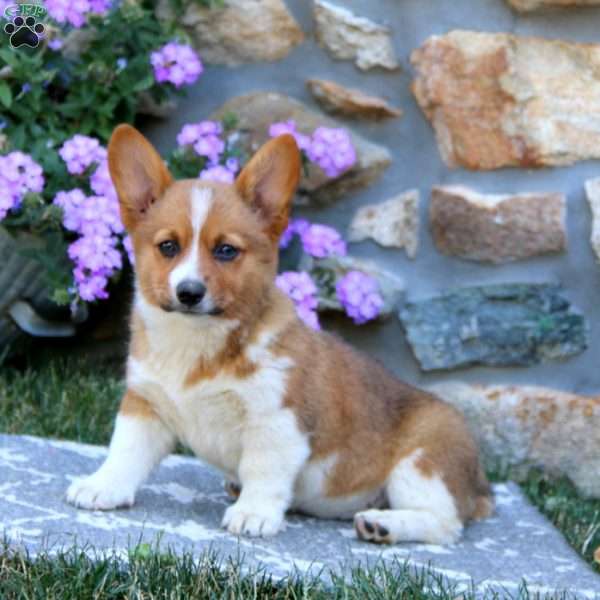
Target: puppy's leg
139 442
421 509
273 453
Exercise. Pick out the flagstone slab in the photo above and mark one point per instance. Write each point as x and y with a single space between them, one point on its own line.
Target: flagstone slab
182 504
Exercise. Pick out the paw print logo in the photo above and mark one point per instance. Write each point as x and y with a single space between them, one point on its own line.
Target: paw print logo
24 32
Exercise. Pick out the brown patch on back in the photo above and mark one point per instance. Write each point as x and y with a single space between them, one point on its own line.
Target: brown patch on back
134 405
355 409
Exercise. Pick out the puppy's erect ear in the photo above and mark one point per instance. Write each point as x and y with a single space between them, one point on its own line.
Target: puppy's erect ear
269 180
138 173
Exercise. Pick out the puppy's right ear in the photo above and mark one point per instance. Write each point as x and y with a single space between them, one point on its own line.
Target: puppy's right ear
138 173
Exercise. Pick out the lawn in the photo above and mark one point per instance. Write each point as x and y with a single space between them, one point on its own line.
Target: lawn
77 400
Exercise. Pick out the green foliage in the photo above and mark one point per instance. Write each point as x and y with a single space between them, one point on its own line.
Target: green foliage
152 574
89 87
49 96
60 399
179 5
576 517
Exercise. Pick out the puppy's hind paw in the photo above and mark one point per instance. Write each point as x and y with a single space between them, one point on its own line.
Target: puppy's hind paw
370 528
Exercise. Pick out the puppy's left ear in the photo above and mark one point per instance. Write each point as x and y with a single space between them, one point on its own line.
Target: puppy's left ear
269 180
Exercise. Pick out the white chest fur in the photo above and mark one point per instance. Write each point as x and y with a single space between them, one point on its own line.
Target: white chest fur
211 416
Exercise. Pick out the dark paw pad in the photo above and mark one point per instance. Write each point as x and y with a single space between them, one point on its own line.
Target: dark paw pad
233 489
371 531
24 32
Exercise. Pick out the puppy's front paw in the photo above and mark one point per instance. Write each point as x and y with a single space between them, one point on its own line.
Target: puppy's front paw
255 521
98 492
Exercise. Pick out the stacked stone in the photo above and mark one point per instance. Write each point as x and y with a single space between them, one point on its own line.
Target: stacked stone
494 100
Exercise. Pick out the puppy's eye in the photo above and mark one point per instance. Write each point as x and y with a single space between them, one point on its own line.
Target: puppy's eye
225 252
169 249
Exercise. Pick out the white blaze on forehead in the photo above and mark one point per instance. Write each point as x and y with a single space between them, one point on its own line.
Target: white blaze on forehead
189 268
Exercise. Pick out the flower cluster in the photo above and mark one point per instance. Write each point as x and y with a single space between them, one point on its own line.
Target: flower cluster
277 129
19 175
303 292
205 139
80 152
330 148
359 294
177 64
96 219
319 241
295 227
75 12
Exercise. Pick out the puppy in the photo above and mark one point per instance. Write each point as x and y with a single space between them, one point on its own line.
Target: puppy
294 418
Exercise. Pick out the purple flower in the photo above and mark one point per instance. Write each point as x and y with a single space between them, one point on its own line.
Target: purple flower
72 12
56 44
96 215
91 286
332 150
71 203
322 241
101 182
96 259
217 173
301 289
210 146
128 245
277 129
99 7
7 201
80 152
295 227
308 316
204 137
121 64
176 63
19 175
95 253
299 286
192 132
359 295
232 164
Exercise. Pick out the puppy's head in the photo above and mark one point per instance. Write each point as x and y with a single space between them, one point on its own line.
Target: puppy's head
204 248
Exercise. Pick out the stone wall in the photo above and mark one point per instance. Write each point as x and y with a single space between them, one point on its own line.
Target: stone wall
492 132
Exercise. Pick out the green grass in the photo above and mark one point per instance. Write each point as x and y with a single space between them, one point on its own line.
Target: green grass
78 401
577 518
150 575
60 399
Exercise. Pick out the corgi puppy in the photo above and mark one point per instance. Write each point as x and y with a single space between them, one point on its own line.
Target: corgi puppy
294 418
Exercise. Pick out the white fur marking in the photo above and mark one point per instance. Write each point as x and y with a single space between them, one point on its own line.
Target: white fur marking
422 509
137 446
189 268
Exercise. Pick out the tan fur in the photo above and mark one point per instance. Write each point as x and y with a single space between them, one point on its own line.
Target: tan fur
355 408
349 408
139 345
133 404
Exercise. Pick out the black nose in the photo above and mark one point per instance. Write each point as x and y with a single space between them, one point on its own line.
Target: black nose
190 292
